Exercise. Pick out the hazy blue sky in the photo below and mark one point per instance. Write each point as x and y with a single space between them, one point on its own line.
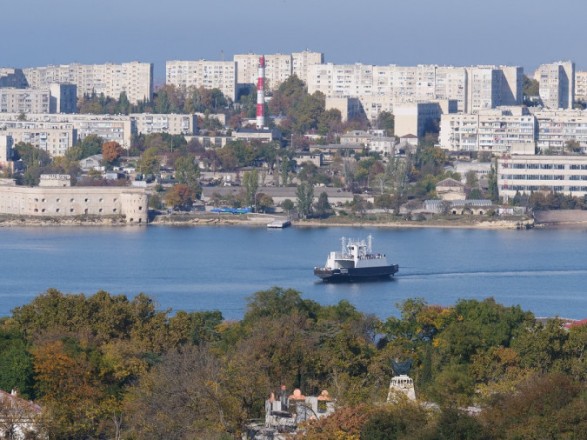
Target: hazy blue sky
403 32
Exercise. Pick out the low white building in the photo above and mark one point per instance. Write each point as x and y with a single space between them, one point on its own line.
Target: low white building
526 174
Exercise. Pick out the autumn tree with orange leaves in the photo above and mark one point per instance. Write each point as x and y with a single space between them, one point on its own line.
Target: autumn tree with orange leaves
111 152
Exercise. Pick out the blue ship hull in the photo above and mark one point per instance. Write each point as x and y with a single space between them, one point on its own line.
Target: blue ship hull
355 275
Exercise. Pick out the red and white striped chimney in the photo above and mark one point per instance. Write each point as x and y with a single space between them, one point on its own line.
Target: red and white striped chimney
261 94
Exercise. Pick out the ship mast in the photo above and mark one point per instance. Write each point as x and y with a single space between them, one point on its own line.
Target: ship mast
369 243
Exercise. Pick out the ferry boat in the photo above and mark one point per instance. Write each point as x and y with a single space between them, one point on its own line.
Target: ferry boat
355 262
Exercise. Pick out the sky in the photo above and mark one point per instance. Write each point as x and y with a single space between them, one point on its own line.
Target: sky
403 32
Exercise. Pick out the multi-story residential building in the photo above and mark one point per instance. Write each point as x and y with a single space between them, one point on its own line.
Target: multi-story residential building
581 86
503 130
474 88
557 127
118 128
557 84
63 98
300 61
492 86
58 98
10 77
25 100
525 174
207 74
54 138
278 67
6 143
134 78
147 123
419 118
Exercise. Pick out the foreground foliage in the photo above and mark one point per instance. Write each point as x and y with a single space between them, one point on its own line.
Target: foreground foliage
106 366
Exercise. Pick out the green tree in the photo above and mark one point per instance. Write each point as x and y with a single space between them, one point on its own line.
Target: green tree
305 199
322 206
90 146
250 184
385 121
187 172
288 206
149 162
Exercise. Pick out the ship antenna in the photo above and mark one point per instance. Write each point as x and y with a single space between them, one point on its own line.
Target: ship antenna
343 245
369 243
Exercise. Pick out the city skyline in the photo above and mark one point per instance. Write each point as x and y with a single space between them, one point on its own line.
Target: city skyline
525 33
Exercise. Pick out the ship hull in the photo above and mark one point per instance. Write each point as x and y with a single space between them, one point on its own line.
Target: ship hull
355 275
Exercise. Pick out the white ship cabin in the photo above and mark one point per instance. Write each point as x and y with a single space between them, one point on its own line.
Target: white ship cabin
355 254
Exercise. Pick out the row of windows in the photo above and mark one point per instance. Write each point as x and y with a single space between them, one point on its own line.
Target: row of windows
538 188
542 177
542 166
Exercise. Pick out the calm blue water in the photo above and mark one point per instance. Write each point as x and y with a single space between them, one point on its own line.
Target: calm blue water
207 268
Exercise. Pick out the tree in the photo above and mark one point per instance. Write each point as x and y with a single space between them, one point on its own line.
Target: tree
180 196
149 162
187 395
111 152
322 206
90 146
385 121
187 172
288 206
305 198
251 185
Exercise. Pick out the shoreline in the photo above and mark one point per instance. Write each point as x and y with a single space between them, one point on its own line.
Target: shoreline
261 220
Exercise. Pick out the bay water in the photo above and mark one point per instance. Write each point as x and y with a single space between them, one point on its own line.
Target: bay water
218 268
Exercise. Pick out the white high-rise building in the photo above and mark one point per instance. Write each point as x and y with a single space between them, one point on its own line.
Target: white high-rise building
557 84
581 86
301 61
278 67
493 86
134 78
207 74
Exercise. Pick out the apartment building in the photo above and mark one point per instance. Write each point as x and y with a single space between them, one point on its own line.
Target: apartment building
58 98
134 78
419 118
10 77
557 127
525 174
300 61
504 130
493 86
52 137
6 144
278 67
581 86
25 100
557 84
147 123
207 74
474 88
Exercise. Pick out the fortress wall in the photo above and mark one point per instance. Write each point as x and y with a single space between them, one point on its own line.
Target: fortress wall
75 201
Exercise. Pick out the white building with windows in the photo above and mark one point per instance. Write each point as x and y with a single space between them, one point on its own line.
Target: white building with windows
203 73
509 130
581 86
526 174
134 78
557 84
557 127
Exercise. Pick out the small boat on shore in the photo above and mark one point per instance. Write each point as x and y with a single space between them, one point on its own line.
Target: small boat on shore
355 262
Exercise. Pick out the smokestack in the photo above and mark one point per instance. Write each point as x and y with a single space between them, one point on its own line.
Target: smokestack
261 94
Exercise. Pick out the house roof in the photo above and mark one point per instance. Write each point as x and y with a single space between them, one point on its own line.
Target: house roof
16 401
451 183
